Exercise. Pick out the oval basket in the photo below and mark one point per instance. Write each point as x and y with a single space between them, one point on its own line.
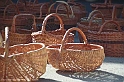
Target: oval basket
51 37
22 62
112 39
75 56
19 35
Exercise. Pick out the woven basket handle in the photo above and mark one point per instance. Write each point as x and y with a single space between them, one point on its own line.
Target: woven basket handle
68 8
82 7
47 17
67 34
41 8
96 15
13 28
111 21
114 13
6 43
106 3
93 13
9 6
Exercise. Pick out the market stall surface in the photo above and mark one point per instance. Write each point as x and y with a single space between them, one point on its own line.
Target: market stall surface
111 70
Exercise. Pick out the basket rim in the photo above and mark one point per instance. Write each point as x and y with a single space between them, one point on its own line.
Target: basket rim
43 47
50 47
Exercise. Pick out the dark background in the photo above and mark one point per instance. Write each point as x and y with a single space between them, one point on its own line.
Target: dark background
84 2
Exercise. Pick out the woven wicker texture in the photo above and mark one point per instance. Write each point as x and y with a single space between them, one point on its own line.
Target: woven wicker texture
75 56
21 35
79 9
106 8
92 22
69 17
112 39
51 37
22 62
7 14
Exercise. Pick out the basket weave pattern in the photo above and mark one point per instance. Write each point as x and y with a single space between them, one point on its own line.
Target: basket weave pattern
75 56
112 39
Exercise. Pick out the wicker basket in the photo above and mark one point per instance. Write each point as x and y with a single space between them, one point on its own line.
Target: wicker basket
111 39
7 15
51 37
92 22
120 21
65 12
69 18
78 9
106 8
21 35
75 56
22 62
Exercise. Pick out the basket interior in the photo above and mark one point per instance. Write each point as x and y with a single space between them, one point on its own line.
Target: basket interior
77 46
21 48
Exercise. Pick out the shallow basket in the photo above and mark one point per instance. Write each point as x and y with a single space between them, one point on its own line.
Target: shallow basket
75 56
112 39
22 62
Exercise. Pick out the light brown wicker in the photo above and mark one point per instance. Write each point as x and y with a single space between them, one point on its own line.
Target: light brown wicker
21 35
75 56
112 39
106 8
51 37
22 62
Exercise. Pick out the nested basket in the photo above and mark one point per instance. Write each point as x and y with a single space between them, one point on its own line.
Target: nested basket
51 37
21 35
112 39
106 8
22 62
75 56
92 22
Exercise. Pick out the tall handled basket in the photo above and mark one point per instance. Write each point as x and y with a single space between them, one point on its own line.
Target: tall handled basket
111 39
75 56
22 62
19 35
51 37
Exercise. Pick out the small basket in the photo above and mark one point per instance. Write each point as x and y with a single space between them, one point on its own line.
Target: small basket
22 62
106 8
112 39
75 56
92 22
51 37
21 35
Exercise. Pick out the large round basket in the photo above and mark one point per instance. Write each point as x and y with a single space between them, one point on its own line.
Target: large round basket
75 56
22 62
